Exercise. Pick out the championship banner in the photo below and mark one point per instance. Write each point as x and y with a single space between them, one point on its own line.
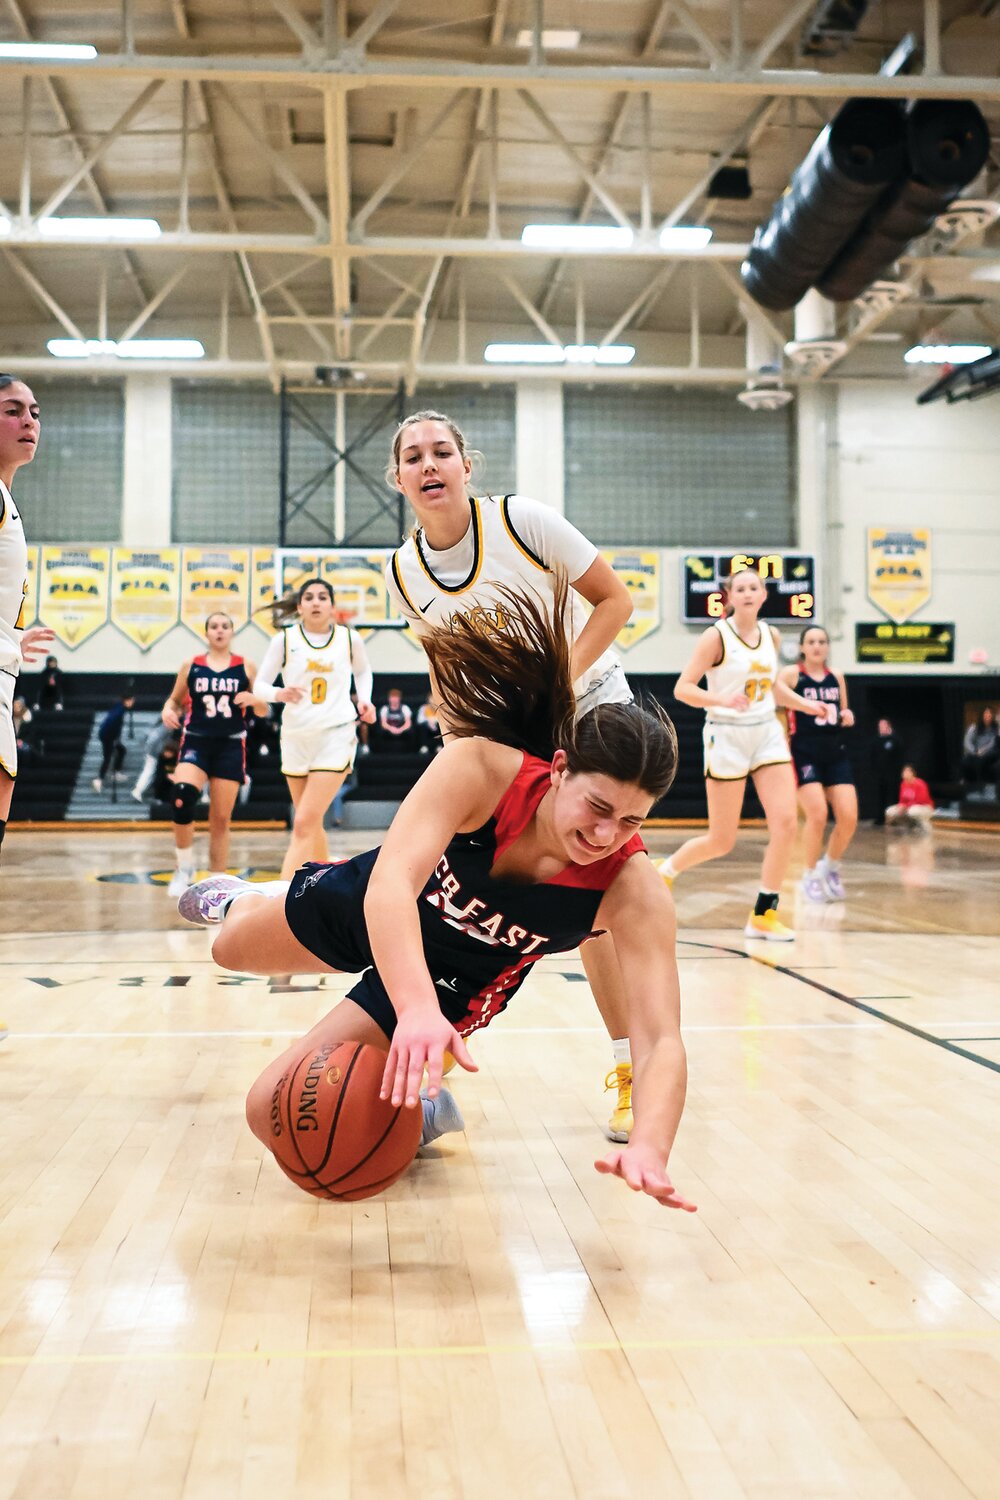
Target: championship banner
899 571
73 591
30 614
640 573
262 587
214 578
145 592
358 582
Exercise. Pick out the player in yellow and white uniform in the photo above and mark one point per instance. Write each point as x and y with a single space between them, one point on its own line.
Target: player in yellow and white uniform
738 658
317 659
19 433
464 552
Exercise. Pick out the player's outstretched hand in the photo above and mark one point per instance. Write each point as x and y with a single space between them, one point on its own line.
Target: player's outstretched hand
170 716
420 1041
644 1172
34 642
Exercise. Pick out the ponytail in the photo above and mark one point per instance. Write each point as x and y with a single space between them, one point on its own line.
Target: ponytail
286 608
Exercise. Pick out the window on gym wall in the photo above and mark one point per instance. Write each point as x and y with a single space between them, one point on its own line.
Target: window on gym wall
225 462
690 468
73 490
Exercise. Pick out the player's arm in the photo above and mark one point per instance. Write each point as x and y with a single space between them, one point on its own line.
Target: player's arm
263 680
638 910
846 712
248 699
785 695
364 678
612 610
706 655
457 793
174 706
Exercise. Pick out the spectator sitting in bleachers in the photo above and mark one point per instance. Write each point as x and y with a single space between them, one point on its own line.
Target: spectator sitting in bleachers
915 806
24 735
166 765
48 686
395 722
429 736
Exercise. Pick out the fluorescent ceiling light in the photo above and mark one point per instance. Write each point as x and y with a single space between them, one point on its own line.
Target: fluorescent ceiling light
552 40
130 349
945 354
99 229
576 236
685 237
556 354
54 50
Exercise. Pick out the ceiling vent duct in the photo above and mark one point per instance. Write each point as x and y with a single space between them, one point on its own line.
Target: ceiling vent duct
948 143
815 346
850 165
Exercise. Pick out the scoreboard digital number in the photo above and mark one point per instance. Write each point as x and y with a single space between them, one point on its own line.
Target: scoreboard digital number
788 576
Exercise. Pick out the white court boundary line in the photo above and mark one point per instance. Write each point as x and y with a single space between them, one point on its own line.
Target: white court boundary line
170 1036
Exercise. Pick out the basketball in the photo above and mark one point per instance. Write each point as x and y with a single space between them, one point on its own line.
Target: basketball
331 1133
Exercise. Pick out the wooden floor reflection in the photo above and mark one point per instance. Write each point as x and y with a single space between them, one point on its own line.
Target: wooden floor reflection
177 1321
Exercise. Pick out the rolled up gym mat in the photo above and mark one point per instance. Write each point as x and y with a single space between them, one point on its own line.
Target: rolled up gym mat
848 168
948 142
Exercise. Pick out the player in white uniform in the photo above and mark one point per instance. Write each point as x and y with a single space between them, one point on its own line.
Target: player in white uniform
316 659
463 551
738 657
19 433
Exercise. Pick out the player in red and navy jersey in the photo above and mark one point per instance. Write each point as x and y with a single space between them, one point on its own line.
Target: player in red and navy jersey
212 691
520 840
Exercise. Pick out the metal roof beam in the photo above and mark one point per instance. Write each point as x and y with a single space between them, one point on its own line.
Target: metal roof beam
93 157
432 73
401 168
281 167
372 24
44 296
140 320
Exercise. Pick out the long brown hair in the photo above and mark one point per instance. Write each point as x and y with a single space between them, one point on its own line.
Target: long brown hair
505 674
286 608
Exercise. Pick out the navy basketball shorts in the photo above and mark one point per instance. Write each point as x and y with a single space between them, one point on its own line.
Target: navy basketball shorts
829 768
220 759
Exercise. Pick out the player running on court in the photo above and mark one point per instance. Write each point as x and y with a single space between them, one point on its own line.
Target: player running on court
317 658
822 765
518 841
465 550
212 691
738 658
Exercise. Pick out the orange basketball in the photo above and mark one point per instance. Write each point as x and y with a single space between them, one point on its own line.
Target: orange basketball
331 1133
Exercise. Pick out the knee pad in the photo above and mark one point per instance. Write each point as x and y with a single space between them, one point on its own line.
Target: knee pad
185 802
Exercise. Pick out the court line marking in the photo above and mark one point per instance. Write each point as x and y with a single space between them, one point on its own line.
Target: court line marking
917 1031
464 1351
104 1036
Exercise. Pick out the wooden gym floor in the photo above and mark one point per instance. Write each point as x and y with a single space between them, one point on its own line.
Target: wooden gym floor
177 1321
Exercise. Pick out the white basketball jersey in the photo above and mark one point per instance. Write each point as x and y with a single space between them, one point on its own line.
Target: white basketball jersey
13 582
744 669
324 670
499 556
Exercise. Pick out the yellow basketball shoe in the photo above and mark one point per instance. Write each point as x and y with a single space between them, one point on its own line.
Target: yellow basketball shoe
768 928
620 1123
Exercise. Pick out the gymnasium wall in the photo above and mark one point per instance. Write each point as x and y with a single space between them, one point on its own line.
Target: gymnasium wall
153 461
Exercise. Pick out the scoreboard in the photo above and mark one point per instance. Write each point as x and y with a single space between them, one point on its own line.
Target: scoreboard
789 578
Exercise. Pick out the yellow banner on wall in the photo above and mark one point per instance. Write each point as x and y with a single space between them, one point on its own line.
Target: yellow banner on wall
899 570
640 573
30 614
262 587
145 592
214 578
73 591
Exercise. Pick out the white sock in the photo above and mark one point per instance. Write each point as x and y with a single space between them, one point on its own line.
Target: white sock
185 860
621 1051
666 867
833 865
